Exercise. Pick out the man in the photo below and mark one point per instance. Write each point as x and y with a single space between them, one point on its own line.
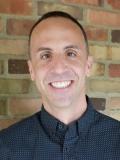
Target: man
67 127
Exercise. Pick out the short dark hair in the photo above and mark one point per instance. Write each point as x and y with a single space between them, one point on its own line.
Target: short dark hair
64 15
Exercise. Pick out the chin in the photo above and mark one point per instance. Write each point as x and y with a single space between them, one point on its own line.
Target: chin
62 103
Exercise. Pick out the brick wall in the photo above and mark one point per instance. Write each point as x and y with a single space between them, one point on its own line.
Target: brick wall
101 19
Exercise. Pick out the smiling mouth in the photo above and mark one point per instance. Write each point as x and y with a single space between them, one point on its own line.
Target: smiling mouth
61 84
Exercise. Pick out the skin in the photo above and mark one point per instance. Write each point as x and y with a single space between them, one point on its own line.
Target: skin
58 54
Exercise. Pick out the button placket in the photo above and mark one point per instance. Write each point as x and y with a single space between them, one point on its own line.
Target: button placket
60 126
66 153
67 149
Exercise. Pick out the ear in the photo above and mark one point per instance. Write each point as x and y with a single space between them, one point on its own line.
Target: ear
31 70
89 65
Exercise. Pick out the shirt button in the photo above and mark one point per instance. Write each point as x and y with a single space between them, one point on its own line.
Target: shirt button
60 126
66 149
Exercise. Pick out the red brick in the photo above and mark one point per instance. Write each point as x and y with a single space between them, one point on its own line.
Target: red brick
115 36
114 70
19 27
20 7
1 67
19 106
13 47
3 107
96 34
114 53
99 103
44 7
113 103
4 123
103 18
99 52
104 86
114 3
14 86
1 25
17 66
86 2
98 69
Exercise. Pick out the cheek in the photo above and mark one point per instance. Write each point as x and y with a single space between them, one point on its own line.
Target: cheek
81 72
39 80
79 66
40 75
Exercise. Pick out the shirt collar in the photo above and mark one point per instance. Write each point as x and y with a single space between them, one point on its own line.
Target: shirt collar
50 123
88 118
56 128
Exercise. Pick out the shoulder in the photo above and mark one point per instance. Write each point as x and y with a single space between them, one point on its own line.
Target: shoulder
102 121
107 124
20 138
105 132
20 131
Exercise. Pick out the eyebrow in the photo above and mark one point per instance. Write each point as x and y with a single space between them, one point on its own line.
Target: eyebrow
44 49
72 46
65 48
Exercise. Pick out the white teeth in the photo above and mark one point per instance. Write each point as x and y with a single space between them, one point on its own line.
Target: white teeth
63 84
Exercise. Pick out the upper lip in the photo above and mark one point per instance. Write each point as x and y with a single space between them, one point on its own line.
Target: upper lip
60 81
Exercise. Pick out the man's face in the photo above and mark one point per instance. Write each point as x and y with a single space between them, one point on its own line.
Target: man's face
59 63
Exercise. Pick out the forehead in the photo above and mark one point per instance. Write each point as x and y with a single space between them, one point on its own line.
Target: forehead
58 24
56 33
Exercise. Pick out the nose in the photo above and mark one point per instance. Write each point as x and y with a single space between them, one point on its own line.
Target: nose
59 65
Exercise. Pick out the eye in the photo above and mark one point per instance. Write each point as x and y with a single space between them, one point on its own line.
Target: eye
45 56
71 53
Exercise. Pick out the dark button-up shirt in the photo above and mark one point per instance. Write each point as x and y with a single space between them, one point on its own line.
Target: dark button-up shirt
42 137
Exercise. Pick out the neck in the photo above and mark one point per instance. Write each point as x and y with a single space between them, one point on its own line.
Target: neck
68 114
